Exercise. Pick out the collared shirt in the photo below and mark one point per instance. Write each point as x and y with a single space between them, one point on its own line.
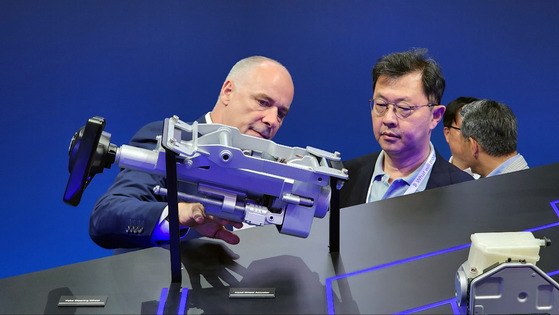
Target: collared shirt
380 188
515 163
468 170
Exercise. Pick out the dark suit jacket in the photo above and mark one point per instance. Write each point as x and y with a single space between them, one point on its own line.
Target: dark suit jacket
361 170
126 215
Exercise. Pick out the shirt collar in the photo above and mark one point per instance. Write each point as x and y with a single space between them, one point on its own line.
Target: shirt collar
502 167
379 169
208 118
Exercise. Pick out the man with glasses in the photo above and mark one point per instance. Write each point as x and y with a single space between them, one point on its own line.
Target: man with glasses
489 134
405 108
452 123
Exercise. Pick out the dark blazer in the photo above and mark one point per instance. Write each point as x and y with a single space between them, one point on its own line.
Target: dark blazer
126 215
361 170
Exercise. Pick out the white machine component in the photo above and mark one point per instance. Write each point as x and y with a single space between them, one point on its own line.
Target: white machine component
243 178
500 276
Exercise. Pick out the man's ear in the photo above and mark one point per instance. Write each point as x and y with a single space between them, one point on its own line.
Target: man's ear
474 145
226 90
438 112
446 132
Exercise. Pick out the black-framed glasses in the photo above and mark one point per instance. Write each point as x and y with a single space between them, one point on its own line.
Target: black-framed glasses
450 126
402 110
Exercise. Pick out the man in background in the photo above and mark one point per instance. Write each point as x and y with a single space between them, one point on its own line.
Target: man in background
452 123
490 131
405 108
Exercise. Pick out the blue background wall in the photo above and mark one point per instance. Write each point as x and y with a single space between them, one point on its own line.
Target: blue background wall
132 62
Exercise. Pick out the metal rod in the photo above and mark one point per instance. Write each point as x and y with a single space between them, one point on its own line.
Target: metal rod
334 235
173 206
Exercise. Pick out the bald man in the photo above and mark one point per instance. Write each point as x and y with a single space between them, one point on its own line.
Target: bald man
255 98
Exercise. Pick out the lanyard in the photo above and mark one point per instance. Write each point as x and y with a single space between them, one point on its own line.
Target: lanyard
422 174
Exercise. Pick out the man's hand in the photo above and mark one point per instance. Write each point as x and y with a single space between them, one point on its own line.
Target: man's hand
193 215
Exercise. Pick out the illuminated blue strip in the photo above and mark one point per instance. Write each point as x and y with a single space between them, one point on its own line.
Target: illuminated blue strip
182 304
403 261
330 294
162 300
543 227
554 206
454 305
426 307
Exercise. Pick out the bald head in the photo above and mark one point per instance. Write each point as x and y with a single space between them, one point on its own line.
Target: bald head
255 97
244 66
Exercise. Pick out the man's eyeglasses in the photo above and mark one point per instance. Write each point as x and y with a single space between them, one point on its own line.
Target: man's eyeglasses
450 126
402 110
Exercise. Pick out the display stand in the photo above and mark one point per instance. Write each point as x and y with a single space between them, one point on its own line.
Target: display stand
400 256
173 216
175 301
334 228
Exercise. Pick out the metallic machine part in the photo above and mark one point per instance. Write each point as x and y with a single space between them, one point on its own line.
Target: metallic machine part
235 173
506 286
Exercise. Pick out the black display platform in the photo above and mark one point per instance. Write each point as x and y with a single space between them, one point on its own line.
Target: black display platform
396 256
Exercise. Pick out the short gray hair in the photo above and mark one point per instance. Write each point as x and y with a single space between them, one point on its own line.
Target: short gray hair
244 66
492 124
